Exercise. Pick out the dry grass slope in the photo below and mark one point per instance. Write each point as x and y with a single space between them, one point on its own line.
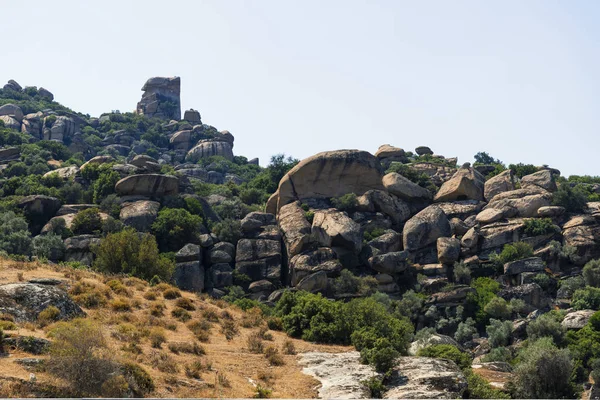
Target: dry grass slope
192 346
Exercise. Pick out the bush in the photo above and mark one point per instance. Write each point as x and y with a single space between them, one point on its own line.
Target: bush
288 347
499 332
512 252
228 230
255 343
49 315
586 299
483 158
546 325
347 202
187 347
14 235
466 331
347 283
87 221
140 382
175 226
447 351
171 293
572 199
520 170
157 337
544 371
498 354
49 246
409 173
591 273
462 273
131 253
375 387
540 226
105 184
273 356
498 308
79 355
411 305
485 290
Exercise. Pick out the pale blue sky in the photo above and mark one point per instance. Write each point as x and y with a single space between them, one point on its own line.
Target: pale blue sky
515 78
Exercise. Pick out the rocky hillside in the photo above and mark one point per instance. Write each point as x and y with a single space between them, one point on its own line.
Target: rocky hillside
492 267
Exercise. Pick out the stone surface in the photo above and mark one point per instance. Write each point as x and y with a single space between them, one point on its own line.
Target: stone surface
189 252
332 228
405 189
313 283
423 150
390 263
503 182
465 184
531 264
543 179
161 98
24 301
295 228
209 149
523 203
139 214
328 174
309 262
9 154
151 185
189 276
425 228
550 211
489 215
448 250
64 173
12 110
577 319
192 116
340 374
431 340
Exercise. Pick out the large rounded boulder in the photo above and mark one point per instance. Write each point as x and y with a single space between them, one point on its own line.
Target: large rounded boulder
425 228
24 301
151 185
328 174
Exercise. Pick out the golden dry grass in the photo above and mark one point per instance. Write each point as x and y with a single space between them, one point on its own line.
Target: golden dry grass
234 370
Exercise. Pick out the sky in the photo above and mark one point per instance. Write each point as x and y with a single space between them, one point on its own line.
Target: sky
517 79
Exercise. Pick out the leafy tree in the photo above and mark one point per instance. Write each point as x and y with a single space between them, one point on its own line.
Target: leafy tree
447 351
544 371
483 158
466 331
591 273
131 253
174 227
520 170
547 325
572 199
228 230
14 235
105 184
586 298
512 252
485 290
87 221
499 332
49 246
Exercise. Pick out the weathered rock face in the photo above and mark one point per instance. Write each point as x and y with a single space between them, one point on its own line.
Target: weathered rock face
328 174
425 228
62 128
12 110
531 293
582 233
192 116
39 210
9 154
523 203
96 161
405 189
139 214
161 98
314 283
189 276
531 264
210 148
426 378
465 184
151 185
64 173
430 341
340 374
10 122
310 262
259 259
390 263
503 182
543 179
332 228
577 319
24 301
448 250
295 228
379 201
79 248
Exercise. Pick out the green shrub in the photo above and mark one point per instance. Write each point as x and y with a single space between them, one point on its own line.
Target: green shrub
483 158
49 246
348 283
130 253
497 308
485 290
479 388
498 354
381 355
372 234
546 325
447 351
228 230
591 273
253 196
462 273
410 305
586 299
87 221
544 371
499 333
520 170
540 226
310 216
174 227
512 252
409 173
375 387
465 331
139 381
572 199
14 235
347 202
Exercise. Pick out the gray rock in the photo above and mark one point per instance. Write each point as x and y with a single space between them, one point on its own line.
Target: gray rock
531 264
148 185
543 179
222 252
465 184
189 276
489 215
208 149
10 122
46 94
577 319
256 220
13 85
313 283
532 294
431 340
405 189
425 228
423 150
332 228
221 275
261 286
379 201
448 250
551 211
390 241
157 92
295 228
192 116
189 252
12 110
503 182
29 344
390 263
322 259
139 214
24 301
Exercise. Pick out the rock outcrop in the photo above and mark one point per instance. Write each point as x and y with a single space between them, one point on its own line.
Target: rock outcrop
161 98
151 185
24 301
